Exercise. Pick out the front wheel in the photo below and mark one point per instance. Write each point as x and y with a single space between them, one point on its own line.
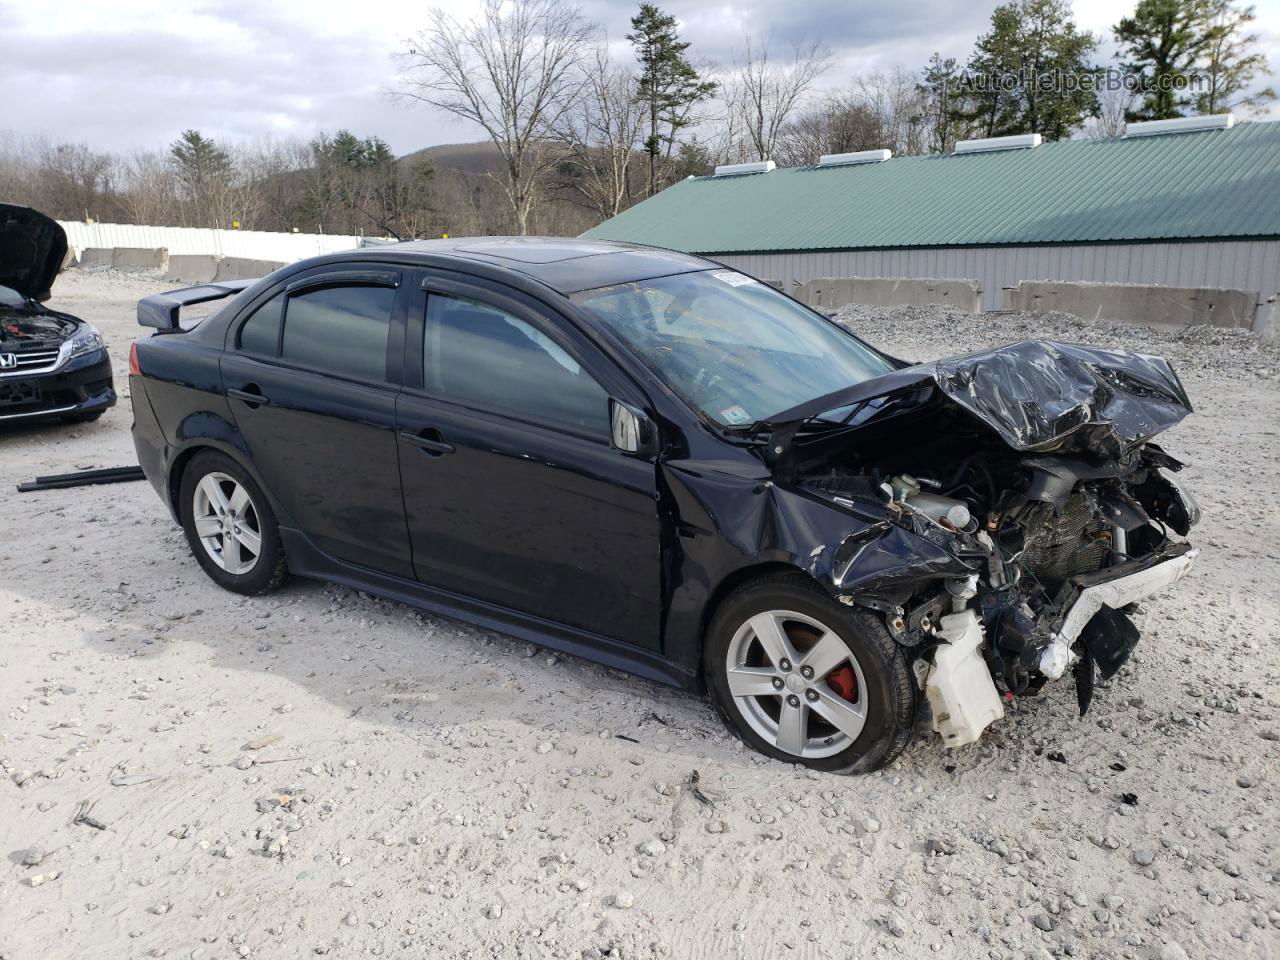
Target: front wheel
804 679
230 526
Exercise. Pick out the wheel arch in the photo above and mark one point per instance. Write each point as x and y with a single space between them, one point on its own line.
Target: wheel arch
197 445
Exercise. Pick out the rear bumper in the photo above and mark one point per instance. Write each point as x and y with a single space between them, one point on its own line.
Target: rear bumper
80 386
154 452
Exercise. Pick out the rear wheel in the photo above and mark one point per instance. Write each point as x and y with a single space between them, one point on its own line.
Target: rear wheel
805 679
230 527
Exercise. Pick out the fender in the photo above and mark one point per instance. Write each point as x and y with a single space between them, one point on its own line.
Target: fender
208 431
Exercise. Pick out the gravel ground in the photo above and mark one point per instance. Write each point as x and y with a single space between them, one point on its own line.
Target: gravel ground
188 773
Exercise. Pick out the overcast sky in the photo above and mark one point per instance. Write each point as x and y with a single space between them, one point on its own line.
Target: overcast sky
134 73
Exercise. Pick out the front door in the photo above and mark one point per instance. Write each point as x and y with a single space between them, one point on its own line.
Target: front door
309 383
512 491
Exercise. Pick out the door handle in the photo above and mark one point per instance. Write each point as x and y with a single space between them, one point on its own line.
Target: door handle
430 441
252 395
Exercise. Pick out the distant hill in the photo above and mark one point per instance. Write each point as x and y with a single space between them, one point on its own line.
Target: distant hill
463 157
472 203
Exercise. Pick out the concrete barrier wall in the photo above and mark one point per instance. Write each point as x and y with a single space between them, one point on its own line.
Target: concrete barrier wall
835 292
139 258
241 268
96 256
1146 304
191 268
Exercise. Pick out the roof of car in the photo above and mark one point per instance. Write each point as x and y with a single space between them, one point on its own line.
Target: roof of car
565 264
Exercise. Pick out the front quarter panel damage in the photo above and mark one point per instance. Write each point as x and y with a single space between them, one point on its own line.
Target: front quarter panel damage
731 516
985 492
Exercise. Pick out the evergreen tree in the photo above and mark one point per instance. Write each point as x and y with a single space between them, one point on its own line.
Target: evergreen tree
941 92
199 162
1232 61
1028 72
1163 41
668 85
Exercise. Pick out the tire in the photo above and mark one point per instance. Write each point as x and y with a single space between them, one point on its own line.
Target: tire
874 680
223 532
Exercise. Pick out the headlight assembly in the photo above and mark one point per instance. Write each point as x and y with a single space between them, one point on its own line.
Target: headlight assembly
86 340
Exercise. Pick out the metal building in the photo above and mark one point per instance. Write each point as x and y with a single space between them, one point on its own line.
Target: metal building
1193 202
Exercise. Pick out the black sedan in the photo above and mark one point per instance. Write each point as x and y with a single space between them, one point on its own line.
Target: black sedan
661 464
52 365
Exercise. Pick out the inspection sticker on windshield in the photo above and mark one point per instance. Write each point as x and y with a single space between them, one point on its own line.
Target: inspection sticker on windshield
735 415
734 279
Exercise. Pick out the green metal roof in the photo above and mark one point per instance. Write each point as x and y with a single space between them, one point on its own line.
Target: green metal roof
1214 183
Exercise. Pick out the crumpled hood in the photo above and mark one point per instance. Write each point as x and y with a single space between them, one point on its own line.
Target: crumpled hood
1038 395
32 248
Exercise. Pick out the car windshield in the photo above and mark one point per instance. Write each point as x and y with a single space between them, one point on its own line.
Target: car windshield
731 347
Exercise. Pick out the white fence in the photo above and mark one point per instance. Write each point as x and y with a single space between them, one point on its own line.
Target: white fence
252 244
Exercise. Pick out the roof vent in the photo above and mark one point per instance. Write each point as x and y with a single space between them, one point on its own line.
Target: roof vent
736 169
1154 128
1019 141
848 159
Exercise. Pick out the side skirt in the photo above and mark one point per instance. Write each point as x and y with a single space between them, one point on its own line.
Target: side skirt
307 560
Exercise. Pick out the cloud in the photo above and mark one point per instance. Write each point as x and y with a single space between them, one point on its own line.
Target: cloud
135 73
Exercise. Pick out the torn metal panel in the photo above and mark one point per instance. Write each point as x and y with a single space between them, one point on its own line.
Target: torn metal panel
1036 395
1040 395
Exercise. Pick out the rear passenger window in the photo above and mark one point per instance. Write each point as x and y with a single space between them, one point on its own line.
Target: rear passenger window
340 330
480 356
260 334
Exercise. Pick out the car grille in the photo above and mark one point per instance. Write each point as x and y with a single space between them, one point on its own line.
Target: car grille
32 361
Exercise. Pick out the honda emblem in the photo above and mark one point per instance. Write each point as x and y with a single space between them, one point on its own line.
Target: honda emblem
8 361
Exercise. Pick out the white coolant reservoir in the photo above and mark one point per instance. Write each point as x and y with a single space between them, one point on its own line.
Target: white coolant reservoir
958 684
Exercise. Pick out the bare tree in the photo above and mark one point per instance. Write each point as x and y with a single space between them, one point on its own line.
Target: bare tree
900 109
1113 106
149 191
601 134
72 181
841 123
511 71
762 94
275 169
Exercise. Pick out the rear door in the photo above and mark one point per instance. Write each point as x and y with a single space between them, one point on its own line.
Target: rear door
512 490
311 377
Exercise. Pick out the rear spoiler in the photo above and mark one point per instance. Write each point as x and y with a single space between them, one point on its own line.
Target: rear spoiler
161 310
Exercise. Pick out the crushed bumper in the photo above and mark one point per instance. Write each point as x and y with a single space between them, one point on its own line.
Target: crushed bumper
1114 588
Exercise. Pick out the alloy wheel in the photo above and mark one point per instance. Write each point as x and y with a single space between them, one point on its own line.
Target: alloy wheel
796 684
226 522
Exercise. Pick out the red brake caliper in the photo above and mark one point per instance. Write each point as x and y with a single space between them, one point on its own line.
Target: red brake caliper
844 682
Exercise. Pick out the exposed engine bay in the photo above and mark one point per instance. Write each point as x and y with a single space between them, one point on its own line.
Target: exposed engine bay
1022 510
26 329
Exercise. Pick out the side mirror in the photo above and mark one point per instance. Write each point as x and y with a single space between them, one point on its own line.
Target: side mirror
632 432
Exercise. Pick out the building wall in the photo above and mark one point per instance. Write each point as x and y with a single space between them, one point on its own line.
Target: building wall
253 244
1242 265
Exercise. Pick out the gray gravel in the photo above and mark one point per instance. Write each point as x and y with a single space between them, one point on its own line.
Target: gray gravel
935 332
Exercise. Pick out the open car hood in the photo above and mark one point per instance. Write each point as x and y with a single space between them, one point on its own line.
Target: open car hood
32 248
1037 395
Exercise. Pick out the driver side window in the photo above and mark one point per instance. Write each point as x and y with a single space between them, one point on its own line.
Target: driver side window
478 355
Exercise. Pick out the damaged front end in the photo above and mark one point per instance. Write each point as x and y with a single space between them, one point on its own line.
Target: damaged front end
1021 511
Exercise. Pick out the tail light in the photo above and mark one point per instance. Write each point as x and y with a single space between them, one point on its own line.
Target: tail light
134 369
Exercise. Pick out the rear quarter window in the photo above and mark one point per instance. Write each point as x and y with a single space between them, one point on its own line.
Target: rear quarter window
260 334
